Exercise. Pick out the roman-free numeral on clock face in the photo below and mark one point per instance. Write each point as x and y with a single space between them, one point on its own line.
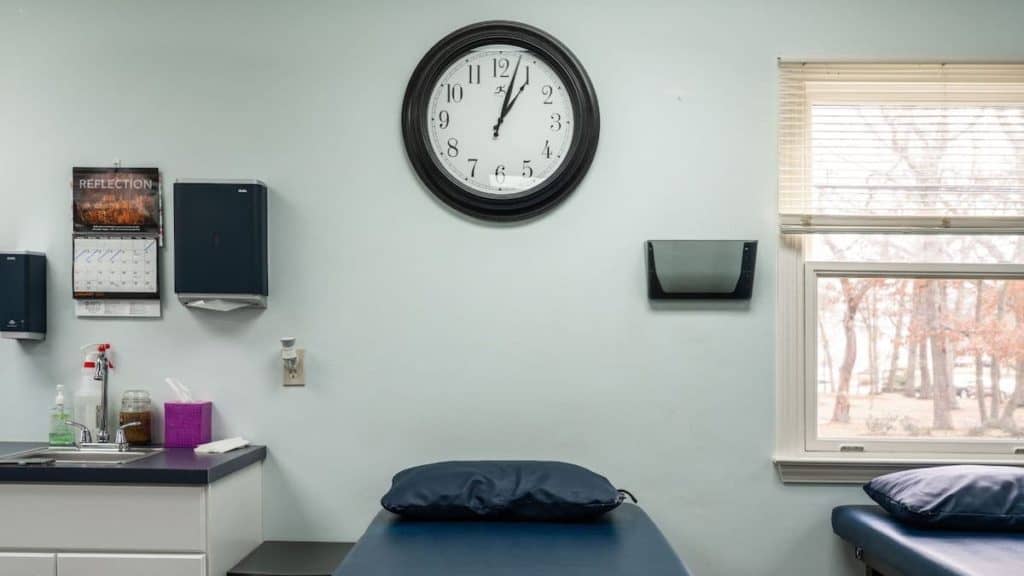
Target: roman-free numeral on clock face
500 121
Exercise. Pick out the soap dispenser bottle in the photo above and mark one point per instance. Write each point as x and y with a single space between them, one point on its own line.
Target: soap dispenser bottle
60 432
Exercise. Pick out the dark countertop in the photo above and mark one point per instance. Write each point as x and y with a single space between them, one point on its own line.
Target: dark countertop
179 466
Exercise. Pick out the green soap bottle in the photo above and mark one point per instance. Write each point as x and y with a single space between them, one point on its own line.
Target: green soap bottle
60 432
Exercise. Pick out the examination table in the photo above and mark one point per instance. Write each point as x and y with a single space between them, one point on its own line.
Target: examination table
890 548
623 542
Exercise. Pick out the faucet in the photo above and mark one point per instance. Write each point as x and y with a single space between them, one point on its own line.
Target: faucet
102 371
85 436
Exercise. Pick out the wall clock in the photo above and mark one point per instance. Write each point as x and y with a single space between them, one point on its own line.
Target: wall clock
500 121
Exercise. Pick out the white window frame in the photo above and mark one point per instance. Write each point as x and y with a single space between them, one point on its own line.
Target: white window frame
802 458
817 461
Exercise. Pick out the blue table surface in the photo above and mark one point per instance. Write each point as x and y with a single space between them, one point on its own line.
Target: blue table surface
172 466
933 552
624 542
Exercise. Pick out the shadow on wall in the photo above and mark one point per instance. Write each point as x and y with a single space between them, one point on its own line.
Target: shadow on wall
691 305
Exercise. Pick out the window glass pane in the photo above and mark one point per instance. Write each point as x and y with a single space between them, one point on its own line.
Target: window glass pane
947 249
916 358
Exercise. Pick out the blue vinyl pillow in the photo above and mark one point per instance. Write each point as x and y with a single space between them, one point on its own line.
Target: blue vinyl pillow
501 490
954 497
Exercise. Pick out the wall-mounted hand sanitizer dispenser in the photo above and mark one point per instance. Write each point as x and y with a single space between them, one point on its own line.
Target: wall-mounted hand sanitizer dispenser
23 295
700 269
220 244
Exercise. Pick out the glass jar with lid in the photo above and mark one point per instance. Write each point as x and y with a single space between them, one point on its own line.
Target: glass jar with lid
137 406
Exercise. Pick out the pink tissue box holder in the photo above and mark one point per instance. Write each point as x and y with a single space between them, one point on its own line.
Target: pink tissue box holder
187 425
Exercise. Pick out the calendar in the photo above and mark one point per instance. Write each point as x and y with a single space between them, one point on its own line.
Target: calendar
116 276
116 239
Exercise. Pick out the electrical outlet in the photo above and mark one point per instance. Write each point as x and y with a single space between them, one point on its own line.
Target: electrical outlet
296 377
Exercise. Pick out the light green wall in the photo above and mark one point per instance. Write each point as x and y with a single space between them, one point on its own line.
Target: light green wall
430 336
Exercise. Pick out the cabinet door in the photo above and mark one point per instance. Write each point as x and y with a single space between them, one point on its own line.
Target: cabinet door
35 517
27 564
131 564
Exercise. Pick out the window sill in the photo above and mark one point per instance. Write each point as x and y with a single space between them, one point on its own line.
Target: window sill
807 469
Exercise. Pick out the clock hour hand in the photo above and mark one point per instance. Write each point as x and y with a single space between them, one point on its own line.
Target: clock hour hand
516 97
505 106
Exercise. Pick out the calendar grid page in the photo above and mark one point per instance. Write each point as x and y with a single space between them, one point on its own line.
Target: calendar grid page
112 267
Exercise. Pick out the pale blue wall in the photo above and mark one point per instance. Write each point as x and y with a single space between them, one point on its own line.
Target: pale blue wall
431 336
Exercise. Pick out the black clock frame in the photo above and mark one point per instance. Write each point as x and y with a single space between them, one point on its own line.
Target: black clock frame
416 129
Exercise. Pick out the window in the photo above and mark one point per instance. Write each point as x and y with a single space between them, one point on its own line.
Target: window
901 270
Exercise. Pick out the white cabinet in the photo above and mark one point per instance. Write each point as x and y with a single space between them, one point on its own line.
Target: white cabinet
130 530
27 564
131 564
103 517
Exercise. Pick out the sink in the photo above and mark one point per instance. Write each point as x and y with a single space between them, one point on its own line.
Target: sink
90 456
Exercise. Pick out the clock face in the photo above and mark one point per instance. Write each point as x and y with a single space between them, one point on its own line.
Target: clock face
500 121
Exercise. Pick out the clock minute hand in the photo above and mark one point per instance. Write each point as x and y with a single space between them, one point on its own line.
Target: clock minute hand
516 97
508 95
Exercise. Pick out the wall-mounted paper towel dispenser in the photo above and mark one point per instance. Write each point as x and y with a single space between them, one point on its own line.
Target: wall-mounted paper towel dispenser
700 269
23 295
220 244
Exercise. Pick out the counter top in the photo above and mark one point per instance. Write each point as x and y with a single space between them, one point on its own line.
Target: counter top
179 466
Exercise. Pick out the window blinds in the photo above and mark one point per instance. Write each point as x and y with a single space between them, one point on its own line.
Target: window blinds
901 147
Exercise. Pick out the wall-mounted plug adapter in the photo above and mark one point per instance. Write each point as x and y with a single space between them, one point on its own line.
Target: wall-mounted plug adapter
294 360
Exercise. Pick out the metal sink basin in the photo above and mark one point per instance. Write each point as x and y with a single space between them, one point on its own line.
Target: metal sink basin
90 456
